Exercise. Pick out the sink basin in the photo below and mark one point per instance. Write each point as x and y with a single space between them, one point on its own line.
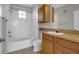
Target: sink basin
55 33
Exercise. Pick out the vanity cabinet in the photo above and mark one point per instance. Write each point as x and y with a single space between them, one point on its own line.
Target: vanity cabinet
47 44
57 45
44 14
63 46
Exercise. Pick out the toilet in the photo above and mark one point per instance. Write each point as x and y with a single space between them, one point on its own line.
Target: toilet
37 45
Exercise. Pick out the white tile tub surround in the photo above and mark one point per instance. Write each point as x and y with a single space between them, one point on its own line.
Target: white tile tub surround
13 45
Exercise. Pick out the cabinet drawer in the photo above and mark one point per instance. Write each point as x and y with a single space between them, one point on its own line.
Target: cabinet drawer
46 36
67 44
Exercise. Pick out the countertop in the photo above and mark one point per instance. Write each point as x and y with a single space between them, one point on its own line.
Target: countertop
68 36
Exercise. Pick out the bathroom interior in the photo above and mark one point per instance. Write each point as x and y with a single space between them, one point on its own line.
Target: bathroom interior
39 28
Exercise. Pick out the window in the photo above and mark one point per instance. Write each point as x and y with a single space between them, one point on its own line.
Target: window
22 14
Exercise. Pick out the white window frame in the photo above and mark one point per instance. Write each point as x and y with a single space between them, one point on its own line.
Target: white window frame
22 14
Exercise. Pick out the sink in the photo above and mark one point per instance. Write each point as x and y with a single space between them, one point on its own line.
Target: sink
56 33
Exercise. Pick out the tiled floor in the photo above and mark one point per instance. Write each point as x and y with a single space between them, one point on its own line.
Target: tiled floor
25 51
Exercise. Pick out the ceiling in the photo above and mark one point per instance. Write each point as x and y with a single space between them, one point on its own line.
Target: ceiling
32 5
28 5
58 5
24 5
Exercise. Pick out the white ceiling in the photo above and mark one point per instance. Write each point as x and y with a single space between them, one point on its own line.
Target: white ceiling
58 5
28 5
32 5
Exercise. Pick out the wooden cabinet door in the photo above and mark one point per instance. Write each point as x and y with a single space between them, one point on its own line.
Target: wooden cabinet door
52 14
59 49
47 46
47 13
61 46
41 14
44 14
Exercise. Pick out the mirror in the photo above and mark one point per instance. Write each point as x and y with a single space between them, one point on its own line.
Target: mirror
67 16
